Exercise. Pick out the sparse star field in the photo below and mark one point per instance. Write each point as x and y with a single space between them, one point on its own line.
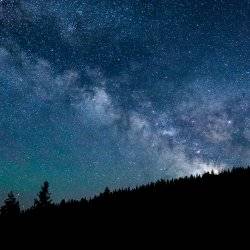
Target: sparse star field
119 93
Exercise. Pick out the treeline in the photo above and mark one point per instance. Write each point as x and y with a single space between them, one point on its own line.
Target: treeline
209 194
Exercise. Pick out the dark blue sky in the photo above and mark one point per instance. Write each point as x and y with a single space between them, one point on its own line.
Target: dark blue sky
119 93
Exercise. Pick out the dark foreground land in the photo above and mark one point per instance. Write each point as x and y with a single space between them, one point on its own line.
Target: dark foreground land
217 200
207 196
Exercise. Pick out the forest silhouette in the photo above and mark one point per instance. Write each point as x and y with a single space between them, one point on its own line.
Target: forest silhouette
196 197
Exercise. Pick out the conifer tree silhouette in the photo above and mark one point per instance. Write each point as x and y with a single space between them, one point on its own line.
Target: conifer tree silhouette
106 191
11 206
44 199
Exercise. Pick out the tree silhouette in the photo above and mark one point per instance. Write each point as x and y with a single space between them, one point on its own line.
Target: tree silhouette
106 191
11 206
44 199
206 194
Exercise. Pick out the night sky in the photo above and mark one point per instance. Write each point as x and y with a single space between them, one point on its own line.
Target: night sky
120 92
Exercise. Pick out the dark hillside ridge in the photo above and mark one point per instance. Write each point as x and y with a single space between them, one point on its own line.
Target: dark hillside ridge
206 196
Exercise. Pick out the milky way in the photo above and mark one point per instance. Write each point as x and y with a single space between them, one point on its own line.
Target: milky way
119 93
